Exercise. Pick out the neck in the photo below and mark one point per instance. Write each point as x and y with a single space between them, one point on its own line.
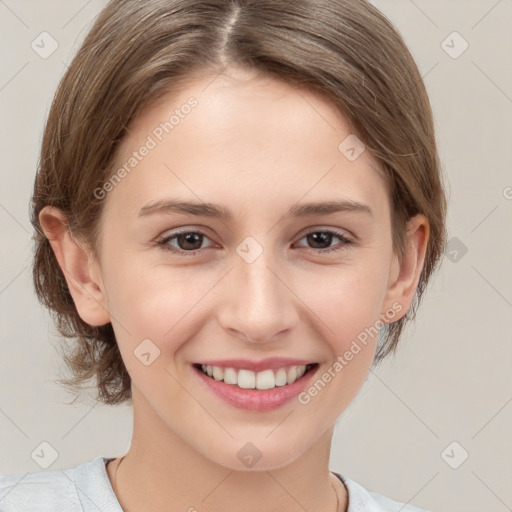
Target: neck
161 468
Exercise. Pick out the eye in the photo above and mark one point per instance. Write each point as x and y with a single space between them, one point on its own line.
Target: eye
321 237
189 242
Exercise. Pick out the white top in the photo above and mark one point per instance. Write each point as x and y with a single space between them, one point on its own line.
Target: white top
87 488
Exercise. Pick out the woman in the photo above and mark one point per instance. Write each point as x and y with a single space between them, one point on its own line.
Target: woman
197 158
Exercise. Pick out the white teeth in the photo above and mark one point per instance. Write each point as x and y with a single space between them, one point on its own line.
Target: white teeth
292 375
265 379
230 376
218 373
281 377
247 379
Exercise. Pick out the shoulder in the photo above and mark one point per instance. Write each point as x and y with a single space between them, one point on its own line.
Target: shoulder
80 489
38 491
362 500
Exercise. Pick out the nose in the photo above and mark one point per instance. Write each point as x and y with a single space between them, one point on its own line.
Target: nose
257 302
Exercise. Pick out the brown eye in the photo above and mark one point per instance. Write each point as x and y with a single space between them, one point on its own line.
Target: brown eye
186 242
189 241
320 239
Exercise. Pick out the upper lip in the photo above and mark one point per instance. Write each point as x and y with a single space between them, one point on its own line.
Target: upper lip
271 363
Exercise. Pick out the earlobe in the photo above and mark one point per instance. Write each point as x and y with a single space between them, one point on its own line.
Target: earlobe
406 273
75 262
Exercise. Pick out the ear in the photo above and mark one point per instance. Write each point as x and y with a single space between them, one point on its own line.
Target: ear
405 273
79 267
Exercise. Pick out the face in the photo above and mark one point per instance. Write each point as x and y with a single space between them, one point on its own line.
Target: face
270 279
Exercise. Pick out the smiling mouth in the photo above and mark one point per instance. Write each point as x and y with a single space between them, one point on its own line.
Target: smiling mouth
266 379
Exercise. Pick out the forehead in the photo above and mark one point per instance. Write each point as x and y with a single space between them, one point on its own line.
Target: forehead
240 138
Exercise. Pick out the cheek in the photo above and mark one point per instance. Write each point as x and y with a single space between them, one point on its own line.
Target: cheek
347 299
159 303
347 302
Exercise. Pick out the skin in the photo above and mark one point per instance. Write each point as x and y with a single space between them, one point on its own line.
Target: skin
256 146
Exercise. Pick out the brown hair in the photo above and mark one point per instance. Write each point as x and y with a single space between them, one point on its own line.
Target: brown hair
136 52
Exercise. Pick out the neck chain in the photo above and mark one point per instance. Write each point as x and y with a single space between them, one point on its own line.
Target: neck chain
115 475
337 497
121 460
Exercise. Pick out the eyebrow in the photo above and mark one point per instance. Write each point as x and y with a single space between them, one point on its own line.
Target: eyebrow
217 211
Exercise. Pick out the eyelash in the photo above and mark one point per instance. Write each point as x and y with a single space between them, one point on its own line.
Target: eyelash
164 243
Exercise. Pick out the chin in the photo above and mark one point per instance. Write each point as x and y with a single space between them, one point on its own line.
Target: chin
256 455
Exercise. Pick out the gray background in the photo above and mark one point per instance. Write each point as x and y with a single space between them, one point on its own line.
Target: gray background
450 382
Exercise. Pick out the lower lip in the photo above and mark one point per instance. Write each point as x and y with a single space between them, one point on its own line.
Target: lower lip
256 399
